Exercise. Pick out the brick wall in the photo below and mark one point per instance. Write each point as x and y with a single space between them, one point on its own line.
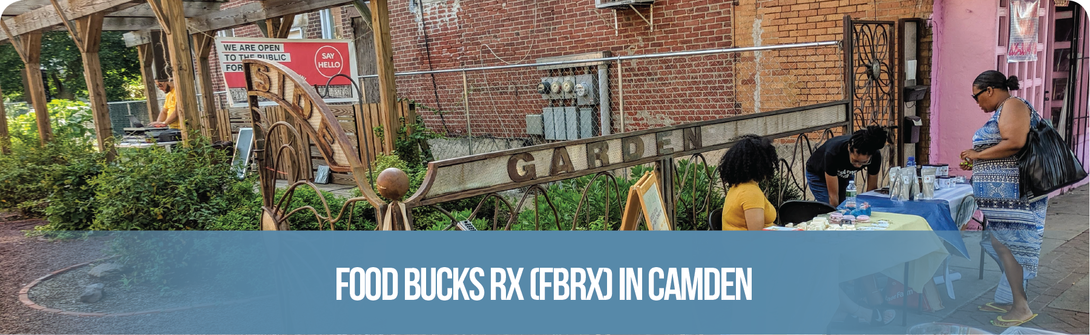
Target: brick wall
767 22
658 92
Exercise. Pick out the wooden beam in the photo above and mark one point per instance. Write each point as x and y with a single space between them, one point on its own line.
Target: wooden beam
202 43
45 17
380 19
192 9
89 30
182 62
68 24
258 11
279 27
5 138
157 9
146 57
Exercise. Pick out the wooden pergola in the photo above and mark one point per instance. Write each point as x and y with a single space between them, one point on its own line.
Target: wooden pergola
189 26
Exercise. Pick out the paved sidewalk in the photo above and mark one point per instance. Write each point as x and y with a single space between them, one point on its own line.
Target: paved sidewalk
1059 293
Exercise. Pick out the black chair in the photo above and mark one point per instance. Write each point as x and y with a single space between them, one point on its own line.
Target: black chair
795 211
715 220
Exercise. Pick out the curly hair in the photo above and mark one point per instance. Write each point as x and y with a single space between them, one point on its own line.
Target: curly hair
868 141
752 158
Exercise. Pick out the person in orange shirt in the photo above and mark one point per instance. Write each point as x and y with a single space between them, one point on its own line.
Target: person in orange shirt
168 117
751 160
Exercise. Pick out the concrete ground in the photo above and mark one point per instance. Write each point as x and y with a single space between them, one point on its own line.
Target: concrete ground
1058 294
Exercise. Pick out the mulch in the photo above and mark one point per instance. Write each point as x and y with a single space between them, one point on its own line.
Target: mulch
24 259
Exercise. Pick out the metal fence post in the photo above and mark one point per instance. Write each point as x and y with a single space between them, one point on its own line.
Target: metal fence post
465 99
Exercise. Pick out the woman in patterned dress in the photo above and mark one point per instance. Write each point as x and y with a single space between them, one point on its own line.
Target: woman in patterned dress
1016 223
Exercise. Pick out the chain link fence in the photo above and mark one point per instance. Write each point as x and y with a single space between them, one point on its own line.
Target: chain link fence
487 109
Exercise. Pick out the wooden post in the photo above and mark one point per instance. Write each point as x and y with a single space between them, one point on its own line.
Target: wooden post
172 19
29 47
87 33
150 91
279 27
380 18
203 47
5 139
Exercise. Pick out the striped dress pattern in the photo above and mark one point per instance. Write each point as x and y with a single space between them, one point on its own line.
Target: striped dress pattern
1016 222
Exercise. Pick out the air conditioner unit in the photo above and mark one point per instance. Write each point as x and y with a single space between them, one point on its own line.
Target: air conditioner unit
602 4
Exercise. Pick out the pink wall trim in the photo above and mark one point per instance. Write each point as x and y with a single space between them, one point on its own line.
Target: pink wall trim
965 40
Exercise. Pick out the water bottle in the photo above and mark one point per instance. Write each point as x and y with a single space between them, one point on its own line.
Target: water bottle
849 201
911 162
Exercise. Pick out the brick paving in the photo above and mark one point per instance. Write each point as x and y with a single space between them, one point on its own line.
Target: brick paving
1059 271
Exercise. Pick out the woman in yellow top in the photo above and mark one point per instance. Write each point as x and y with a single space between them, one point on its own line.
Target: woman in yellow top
751 160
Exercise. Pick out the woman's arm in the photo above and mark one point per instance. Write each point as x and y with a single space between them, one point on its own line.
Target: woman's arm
755 219
872 182
832 185
1013 128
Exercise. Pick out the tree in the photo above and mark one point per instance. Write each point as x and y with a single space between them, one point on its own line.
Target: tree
63 68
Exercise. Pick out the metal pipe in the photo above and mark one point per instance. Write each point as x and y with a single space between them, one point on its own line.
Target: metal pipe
620 58
620 91
465 99
603 99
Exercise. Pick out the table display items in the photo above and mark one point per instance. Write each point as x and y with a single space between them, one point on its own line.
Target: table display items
835 222
927 183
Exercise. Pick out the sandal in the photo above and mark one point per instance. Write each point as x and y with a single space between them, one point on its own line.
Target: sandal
1000 319
992 307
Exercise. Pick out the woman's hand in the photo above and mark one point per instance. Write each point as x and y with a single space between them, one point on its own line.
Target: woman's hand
970 155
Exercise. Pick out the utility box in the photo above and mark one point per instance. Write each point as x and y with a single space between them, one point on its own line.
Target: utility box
911 127
535 124
548 121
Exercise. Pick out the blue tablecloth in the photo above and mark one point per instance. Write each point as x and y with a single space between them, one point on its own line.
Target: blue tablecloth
937 213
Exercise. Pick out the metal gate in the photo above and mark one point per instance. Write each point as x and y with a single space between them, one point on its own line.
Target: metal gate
873 81
1078 85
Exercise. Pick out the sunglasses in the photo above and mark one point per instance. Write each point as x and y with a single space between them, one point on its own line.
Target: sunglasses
977 95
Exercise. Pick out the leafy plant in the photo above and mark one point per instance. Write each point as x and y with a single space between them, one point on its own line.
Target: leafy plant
565 196
71 204
155 189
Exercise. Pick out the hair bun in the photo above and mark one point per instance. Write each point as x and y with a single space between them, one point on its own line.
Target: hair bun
1012 83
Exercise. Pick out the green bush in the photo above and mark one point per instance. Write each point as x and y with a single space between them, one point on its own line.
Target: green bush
31 172
71 204
188 187
305 219
565 195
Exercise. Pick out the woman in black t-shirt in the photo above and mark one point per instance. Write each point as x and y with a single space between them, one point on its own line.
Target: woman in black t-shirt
835 163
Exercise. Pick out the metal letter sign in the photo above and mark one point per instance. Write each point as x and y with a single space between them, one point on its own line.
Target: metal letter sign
275 82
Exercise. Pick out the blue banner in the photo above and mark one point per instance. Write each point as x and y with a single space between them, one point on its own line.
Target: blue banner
506 282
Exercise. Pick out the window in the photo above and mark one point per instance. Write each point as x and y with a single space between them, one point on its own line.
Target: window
297 26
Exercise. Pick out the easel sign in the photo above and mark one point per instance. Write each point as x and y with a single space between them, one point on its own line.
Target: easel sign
645 196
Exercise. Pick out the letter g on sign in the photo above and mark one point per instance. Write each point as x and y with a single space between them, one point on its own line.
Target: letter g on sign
513 168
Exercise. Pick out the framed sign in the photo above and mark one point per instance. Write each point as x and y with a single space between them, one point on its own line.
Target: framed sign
244 146
645 197
315 60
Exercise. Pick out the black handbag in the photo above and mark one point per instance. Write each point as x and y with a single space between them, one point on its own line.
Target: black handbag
1045 163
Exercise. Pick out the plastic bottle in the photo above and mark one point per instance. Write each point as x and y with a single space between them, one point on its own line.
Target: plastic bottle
911 162
849 201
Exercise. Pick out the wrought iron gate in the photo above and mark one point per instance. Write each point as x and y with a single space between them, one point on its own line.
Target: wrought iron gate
873 80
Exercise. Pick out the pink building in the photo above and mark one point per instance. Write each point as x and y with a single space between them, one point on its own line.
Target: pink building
972 36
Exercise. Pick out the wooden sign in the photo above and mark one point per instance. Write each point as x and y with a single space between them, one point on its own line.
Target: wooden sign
645 197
